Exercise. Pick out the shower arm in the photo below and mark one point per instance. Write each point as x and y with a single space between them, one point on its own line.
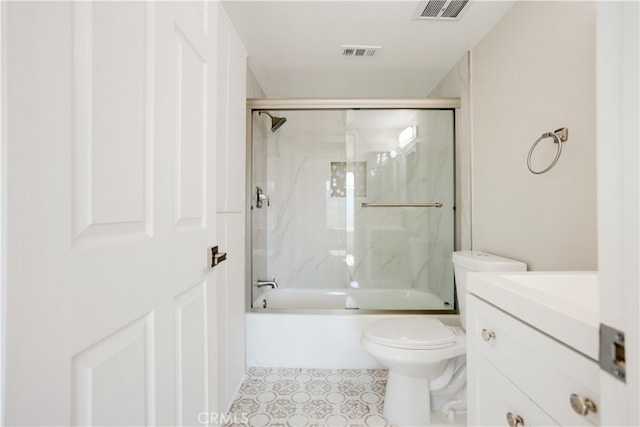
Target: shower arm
276 122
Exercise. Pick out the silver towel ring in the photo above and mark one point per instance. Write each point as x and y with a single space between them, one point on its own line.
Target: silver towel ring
559 135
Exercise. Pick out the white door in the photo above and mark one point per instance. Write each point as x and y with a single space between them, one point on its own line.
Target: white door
618 95
110 209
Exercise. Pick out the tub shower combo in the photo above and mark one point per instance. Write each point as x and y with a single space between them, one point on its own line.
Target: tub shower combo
352 218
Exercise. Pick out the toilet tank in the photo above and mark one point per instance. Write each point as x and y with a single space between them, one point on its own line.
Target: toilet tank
474 261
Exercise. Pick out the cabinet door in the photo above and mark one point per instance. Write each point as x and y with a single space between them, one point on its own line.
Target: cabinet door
491 395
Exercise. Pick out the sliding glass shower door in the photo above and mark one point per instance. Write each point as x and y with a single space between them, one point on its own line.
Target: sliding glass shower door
357 204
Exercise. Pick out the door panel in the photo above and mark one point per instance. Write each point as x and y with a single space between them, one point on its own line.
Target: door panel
111 145
191 110
116 372
191 343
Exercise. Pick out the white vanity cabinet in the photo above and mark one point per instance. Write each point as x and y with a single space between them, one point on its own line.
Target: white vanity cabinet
518 375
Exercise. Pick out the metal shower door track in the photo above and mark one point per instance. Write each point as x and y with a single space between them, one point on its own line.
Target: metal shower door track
331 104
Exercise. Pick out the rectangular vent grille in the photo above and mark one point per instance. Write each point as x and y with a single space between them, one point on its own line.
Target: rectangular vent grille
360 51
440 9
433 8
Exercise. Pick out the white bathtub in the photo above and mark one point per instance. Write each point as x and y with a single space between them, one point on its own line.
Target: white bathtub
321 340
341 298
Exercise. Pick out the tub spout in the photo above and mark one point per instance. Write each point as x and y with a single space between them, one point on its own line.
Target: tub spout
271 283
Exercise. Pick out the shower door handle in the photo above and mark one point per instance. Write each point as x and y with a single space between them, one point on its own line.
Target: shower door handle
402 205
261 197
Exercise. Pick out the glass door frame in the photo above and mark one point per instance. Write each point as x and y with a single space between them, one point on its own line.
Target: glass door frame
345 104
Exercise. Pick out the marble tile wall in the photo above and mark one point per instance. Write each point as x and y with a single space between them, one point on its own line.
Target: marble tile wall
258 216
313 237
456 85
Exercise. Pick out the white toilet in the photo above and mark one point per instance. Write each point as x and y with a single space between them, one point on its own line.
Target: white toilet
421 352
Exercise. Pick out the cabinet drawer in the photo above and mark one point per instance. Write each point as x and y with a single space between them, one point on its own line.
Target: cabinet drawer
544 369
492 396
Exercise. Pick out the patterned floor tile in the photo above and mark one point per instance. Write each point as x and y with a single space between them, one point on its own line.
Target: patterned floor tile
295 397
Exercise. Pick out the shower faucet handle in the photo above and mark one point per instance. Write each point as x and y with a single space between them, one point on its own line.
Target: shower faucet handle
261 197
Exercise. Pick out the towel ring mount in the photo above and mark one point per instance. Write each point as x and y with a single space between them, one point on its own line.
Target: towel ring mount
559 136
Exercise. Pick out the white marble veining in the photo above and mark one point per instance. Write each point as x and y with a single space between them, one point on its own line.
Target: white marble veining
456 84
347 298
311 236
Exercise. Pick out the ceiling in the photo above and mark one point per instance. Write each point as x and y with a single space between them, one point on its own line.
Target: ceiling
295 46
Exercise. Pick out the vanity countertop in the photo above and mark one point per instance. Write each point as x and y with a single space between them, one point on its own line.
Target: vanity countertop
563 305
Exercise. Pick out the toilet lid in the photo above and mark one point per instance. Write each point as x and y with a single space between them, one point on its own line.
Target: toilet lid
411 333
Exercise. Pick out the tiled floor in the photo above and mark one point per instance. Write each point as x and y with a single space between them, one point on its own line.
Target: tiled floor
310 397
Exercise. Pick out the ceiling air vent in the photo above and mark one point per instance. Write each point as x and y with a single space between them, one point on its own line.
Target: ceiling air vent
447 10
360 51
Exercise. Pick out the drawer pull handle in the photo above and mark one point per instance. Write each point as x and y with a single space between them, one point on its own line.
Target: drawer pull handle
488 335
514 420
581 405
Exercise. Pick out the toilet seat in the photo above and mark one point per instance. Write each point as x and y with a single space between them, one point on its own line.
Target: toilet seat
411 333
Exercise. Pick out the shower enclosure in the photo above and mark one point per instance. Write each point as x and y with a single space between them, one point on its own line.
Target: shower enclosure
352 205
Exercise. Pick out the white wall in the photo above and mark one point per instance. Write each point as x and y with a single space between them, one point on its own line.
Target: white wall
533 73
254 90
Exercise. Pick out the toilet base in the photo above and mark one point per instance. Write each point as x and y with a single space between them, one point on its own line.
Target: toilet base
407 400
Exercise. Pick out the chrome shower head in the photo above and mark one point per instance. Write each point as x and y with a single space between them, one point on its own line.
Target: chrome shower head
276 122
